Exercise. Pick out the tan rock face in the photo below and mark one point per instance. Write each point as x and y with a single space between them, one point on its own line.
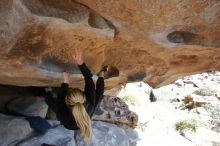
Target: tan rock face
152 40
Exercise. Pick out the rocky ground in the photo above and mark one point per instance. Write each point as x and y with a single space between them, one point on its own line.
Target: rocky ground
174 119
184 113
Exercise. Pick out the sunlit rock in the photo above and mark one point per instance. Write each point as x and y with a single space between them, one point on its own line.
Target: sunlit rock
153 41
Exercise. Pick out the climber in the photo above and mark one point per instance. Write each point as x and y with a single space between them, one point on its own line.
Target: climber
73 107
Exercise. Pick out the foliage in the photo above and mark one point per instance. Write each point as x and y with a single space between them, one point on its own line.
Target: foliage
142 126
191 124
213 110
205 91
129 97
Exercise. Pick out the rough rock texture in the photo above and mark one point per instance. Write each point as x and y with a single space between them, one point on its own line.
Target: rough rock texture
104 134
152 40
28 106
17 131
55 136
115 110
13 130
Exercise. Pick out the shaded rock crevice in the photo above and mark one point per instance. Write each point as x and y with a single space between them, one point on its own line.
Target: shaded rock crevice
181 37
55 66
69 11
189 38
96 20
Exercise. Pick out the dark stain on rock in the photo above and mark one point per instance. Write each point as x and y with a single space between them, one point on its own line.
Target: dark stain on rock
139 76
31 43
184 59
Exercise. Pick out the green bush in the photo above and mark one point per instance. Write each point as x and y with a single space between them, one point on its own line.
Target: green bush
205 91
129 97
213 110
142 126
187 125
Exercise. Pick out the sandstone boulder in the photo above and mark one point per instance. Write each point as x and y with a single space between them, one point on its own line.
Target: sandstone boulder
153 41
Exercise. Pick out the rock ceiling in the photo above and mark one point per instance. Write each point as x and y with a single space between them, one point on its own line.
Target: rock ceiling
155 41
